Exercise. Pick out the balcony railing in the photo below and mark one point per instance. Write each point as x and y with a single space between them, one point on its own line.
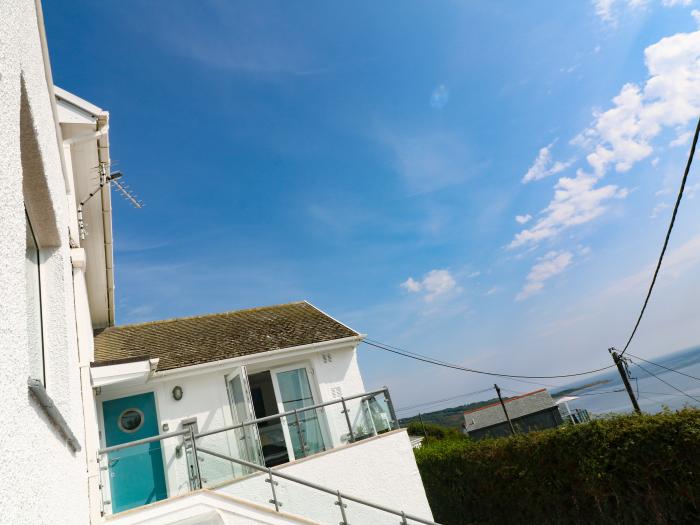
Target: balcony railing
193 460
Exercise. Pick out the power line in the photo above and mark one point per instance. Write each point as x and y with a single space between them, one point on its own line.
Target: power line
665 382
433 361
668 235
665 367
437 401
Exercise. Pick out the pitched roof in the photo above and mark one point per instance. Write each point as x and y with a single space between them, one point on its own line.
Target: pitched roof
193 340
518 406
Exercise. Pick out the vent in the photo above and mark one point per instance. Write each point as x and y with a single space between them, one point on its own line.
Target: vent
336 392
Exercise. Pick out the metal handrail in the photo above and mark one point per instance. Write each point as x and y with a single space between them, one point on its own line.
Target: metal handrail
341 400
143 441
340 495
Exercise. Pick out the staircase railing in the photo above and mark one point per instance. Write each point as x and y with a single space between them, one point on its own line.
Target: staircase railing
340 496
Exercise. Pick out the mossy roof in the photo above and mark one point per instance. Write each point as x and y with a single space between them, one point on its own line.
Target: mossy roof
190 341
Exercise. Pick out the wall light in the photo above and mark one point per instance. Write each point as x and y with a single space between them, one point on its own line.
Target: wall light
177 393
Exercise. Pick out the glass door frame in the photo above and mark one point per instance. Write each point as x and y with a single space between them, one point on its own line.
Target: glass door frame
316 397
249 430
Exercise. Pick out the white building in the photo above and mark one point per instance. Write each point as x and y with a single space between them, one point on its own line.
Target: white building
143 423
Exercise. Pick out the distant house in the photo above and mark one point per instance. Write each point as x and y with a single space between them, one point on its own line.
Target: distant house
532 411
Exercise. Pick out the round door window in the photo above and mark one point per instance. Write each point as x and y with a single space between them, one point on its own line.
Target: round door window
131 420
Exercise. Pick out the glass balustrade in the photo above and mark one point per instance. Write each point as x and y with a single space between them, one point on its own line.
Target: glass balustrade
132 475
148 470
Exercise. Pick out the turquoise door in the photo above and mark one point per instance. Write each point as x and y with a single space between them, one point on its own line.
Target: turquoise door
136 475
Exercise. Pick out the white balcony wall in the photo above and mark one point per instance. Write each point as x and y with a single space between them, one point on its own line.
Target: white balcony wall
382 470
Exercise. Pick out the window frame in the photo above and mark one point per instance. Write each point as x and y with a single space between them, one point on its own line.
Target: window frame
40 303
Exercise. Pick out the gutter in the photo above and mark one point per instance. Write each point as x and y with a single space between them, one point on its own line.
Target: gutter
253 358
106 201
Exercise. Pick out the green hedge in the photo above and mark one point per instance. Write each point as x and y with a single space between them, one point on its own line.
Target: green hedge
433 431
625 469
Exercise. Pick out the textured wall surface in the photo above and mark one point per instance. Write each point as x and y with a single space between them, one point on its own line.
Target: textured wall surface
41 480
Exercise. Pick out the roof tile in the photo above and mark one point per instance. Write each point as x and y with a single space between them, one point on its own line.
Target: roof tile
194 340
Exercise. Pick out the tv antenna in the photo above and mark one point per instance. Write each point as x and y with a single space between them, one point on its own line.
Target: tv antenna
106 177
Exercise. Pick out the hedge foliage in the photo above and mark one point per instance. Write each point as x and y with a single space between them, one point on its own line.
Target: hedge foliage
433 431
620 470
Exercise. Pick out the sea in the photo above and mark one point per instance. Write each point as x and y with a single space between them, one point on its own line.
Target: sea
668 390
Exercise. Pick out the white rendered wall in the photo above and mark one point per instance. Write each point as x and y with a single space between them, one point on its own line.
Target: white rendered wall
206 508
338 374
41 480
382 470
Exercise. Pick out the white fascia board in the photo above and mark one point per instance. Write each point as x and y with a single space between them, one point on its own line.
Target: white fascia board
256 359
76 103
70 114
134 373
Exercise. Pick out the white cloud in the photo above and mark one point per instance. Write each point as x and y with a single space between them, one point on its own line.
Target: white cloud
522 219
576 201
440 97
434 284
412 285
607 9
603 8
658 209
551 264
622 135
544 166
669 98
474 274
681 140
696 15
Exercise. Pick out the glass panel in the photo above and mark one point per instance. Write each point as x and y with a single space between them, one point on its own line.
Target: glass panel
128 475
215 471
33 290
314 505
295 391
379 414
273 444
358 513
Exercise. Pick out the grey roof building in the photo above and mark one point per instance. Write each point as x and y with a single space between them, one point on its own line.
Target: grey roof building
532 411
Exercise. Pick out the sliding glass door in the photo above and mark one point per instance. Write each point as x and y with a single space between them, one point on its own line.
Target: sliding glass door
293 392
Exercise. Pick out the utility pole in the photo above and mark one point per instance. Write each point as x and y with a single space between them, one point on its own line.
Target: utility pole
623 374
425 434
498 391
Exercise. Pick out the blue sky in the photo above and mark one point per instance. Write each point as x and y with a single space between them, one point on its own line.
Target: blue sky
484 182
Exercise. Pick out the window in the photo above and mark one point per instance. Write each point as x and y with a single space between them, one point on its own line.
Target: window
35 334
131 420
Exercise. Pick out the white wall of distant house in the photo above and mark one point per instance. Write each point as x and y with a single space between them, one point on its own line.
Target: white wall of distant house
41 480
